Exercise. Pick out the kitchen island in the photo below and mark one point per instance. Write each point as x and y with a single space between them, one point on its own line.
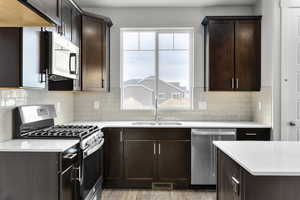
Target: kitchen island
257 170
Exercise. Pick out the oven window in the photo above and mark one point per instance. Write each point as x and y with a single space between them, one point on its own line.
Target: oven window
92 170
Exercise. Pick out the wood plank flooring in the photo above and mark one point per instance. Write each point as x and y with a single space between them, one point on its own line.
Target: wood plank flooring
112 194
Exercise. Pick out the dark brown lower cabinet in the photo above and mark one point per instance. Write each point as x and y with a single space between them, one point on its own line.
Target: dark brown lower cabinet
140 161
173 160
153 155
113 156
235 183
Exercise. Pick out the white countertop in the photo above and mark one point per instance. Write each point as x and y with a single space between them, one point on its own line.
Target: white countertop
185 124
264 158
36 145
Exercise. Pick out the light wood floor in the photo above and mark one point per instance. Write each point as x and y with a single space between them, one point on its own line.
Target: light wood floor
109 194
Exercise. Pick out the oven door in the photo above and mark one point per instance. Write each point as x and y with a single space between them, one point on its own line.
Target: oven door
92 169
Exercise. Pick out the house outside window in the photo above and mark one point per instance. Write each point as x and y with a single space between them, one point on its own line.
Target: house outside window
156 63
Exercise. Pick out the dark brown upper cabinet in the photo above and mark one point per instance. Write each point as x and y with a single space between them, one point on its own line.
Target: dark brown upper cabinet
95 53
66 19
48 8
70 21
76 27
232 54
20 58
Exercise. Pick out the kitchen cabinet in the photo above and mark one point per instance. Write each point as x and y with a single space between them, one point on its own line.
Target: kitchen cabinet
140 160
147 156
232 53
256 134
113 156
95 53
236 183
66 19
173 160
20 58
37 175
70 22
47 8
76 27
228 179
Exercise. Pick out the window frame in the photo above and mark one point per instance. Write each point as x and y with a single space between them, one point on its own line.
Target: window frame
157 31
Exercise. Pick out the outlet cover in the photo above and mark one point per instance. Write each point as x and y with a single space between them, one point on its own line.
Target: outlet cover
96 105
202 105
58 107
259 106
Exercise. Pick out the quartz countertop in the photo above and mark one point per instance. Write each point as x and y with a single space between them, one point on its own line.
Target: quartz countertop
36 145
184 124
276 158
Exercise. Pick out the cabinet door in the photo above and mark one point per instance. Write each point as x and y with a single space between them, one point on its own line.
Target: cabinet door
49 8
113 154
173 160
66 19
140 160
31 69
10 58
221 55
94 51
229 179
76 27
248 55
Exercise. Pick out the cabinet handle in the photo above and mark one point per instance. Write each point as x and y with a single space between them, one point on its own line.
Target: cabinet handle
232 83
237 83
235 185
121 136
158 148
250 134
154 149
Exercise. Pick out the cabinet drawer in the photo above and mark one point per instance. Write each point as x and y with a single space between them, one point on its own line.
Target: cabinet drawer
157 134
263 134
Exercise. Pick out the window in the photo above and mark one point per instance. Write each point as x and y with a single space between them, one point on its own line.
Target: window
156 63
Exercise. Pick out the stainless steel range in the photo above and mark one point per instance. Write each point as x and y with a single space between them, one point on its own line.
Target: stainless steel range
37 122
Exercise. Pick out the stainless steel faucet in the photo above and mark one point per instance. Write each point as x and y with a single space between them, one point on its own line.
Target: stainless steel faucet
156 119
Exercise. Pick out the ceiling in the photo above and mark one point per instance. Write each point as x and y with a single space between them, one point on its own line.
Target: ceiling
161 3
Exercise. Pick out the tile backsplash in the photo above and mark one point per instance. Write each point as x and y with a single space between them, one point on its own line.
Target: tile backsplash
225 106
228 106
9 99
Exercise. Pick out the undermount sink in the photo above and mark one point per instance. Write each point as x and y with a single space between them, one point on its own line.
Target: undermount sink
170 123
144 123
157 123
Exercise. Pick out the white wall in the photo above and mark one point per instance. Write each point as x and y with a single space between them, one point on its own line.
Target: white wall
271 75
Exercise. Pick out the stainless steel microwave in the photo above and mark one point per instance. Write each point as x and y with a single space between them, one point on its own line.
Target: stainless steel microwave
59 56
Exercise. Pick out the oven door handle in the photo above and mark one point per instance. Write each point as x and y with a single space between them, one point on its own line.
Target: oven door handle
90 151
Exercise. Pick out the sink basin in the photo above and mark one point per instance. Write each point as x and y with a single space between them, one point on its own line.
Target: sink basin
144 123
157 123
170 123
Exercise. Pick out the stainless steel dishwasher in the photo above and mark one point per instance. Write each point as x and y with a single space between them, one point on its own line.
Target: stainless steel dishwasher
203 158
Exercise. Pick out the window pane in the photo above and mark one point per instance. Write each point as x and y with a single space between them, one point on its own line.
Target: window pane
138 79
131 40
147 40
165 41
174 80
181 41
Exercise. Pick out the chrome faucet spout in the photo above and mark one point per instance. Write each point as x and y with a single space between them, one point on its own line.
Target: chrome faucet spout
156 109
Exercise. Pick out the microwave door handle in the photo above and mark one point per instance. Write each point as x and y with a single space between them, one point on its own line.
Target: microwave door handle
70 63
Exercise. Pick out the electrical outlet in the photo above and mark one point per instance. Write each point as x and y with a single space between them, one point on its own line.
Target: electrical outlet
58 106
259 106
202 105
96 105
